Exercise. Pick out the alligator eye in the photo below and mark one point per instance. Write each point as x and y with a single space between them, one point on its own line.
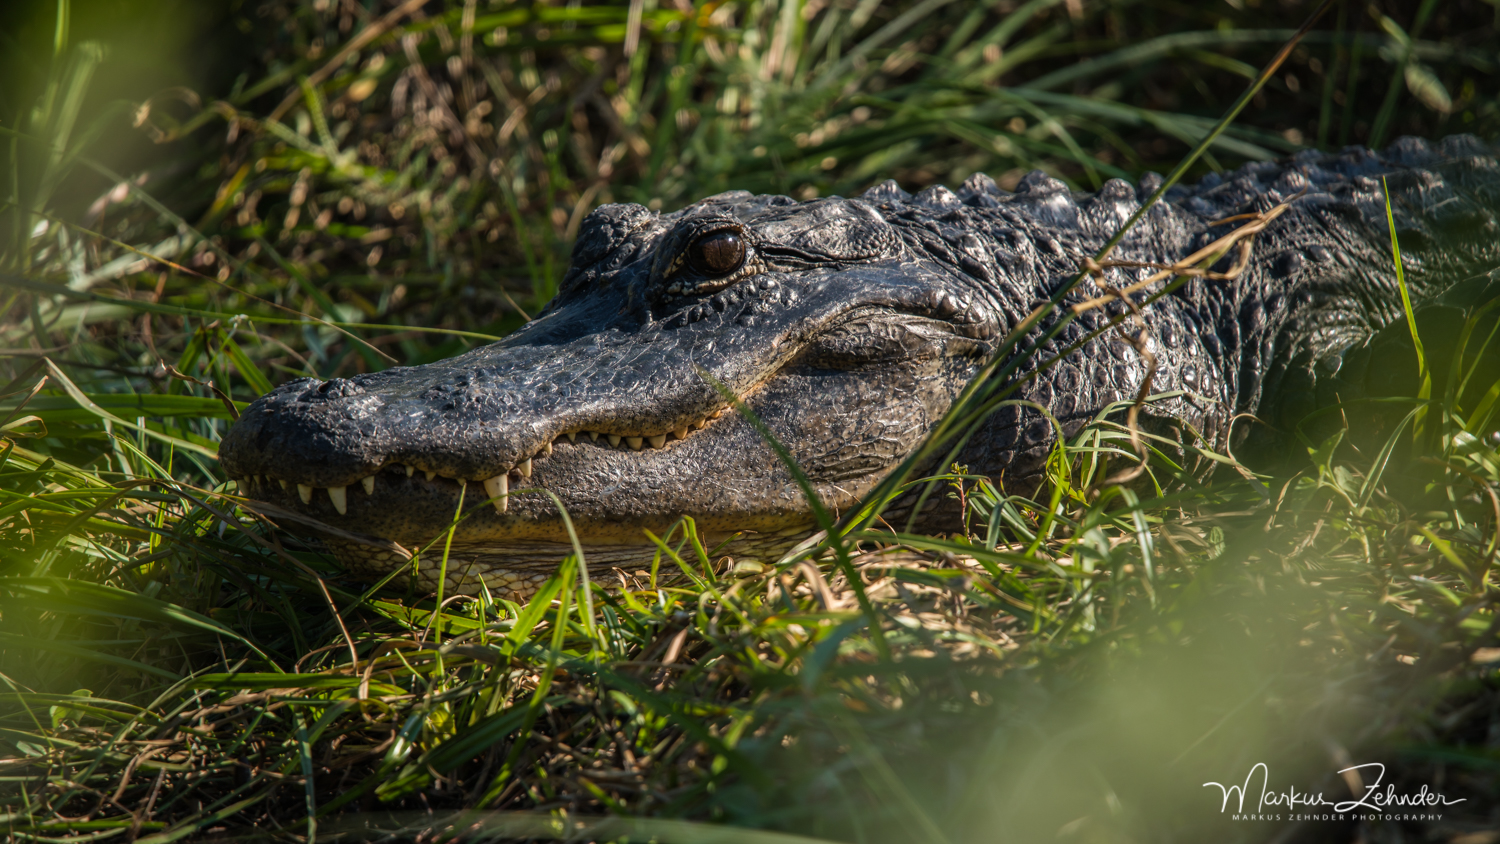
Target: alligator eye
717 253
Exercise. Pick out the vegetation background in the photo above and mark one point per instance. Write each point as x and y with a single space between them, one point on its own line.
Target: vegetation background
203 199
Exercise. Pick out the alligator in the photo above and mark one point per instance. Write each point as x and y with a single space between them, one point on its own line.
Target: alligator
848 326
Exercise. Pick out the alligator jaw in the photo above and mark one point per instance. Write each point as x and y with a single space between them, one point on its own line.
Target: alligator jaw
513 547
615 486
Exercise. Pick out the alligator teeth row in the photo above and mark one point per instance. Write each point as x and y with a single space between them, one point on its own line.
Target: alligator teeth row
497 487
634 443
338 495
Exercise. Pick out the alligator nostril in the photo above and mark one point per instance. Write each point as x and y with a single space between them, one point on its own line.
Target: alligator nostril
337 388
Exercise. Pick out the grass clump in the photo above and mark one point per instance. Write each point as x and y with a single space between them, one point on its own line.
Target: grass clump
1109 632
401 182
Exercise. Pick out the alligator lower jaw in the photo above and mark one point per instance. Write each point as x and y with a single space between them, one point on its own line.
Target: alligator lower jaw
517 570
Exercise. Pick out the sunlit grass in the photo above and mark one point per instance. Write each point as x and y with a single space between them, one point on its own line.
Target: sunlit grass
1077 661
214 672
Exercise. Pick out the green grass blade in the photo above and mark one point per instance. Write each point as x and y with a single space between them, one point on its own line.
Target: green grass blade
81 597
87 404
1424 375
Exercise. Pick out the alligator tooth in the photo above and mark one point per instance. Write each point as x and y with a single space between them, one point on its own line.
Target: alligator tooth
410 470
368 483
305 493
572 436
524 468
633 442
497 488
282 482
701 423
680 433
613 439
430 475
547 449
594 435
658 441
339 495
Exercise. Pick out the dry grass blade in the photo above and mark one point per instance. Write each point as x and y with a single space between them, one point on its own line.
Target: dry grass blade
1196 265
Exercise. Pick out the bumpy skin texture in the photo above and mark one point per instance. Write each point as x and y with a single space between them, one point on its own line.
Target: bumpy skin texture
850 327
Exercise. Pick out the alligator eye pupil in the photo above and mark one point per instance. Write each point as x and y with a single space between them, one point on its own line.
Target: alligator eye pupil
718 253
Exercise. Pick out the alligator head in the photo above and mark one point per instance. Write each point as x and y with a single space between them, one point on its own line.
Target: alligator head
611 403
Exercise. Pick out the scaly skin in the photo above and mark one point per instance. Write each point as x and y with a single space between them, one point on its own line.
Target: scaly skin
849 327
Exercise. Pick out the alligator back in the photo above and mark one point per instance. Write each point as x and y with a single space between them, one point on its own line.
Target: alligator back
1267 344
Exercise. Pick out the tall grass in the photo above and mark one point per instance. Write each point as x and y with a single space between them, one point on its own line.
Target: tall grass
1073 664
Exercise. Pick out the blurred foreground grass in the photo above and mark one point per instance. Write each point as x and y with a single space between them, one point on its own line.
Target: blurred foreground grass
398 182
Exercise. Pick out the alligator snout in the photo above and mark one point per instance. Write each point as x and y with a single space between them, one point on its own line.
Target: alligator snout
486 417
